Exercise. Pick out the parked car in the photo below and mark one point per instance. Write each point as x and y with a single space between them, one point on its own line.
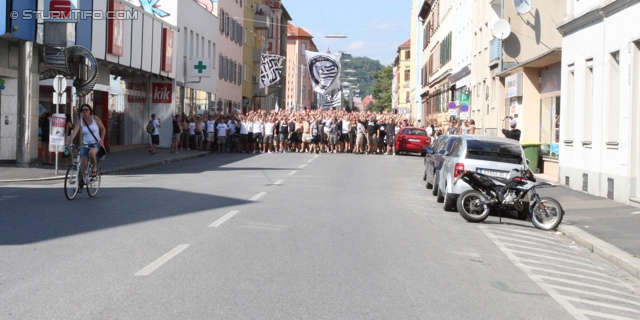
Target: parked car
494 156
412 139
434 159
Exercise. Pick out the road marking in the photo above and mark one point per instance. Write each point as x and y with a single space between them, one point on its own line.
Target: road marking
277 183
292 173
591 293
257 196
637 212
223 219
162 260
601 304
302 166
310 160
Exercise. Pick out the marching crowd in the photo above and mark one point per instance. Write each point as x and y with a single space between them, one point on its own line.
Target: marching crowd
315 131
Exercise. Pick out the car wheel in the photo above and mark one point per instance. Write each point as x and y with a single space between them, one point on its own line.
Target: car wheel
439 196
423 154
424 175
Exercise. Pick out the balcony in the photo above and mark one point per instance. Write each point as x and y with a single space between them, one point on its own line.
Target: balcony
495 51
261 22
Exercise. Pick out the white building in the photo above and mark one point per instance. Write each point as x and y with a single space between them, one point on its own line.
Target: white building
600 116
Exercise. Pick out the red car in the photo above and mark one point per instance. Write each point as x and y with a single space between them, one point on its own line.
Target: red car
412 139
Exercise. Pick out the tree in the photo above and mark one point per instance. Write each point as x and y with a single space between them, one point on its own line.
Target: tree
381 89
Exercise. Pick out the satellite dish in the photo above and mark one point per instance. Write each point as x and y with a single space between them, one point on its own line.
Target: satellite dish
501 29
522 6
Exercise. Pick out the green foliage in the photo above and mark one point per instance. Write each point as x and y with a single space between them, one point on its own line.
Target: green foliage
381 89
365 69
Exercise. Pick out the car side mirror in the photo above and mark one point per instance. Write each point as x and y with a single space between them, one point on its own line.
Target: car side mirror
429 150
443 152
528 162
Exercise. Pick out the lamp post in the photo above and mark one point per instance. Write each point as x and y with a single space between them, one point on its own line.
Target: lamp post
302 68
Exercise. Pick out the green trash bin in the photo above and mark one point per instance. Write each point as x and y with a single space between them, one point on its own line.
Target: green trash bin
532 153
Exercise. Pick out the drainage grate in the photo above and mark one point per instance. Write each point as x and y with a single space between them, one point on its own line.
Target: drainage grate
585 182
610 188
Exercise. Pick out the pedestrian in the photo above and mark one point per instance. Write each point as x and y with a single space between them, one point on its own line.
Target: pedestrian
199 132
453 128
184 135
155 135
465 128
45 124
210 126
391 136
514 133
472 124
269 134
175 138
223 132
93 132
360 134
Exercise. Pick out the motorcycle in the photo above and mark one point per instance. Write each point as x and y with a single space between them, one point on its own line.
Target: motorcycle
514 193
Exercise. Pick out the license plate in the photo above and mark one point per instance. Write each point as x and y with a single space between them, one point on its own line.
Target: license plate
494 173
414 140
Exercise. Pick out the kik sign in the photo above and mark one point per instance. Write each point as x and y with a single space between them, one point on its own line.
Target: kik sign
162 93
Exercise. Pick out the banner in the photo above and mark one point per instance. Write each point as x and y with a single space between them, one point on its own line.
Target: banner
324 69
56 136
333 100
270 69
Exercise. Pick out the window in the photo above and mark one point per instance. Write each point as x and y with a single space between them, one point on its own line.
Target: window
303 49
569 102
407 55
613 123
407 75
587 117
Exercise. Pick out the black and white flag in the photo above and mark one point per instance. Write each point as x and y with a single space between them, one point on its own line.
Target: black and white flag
334 100
324 69
270 69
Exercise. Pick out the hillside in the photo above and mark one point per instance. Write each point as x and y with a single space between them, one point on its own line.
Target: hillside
365 69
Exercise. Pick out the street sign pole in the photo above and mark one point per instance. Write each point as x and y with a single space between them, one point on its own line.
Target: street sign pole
59 86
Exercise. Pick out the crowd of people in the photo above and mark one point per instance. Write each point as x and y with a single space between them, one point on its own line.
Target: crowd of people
315 131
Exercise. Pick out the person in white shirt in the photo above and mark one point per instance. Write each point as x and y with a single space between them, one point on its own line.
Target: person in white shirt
223 131
243 140
211 133
231 137
344 136
269 128
258 133
192 133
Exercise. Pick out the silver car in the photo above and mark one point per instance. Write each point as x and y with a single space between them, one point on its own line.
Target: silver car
492 156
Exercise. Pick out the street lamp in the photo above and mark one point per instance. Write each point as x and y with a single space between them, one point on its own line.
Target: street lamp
335 36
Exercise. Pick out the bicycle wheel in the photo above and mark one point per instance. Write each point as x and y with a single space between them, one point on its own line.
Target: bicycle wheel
94 184
71 183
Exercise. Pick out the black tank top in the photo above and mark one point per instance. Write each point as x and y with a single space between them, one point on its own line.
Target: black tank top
284 128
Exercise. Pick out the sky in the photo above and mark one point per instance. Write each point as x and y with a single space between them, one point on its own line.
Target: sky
374 28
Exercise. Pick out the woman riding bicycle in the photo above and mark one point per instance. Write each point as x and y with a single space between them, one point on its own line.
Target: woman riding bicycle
89 124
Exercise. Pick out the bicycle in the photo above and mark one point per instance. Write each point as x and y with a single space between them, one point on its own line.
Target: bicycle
76 178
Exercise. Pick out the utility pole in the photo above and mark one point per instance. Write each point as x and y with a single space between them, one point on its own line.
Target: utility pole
301 82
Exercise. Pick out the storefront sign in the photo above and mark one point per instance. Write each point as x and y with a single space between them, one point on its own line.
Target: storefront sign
200 67
167 50
115 30
513 86
56 136
60 11
162 93
140 95
464 98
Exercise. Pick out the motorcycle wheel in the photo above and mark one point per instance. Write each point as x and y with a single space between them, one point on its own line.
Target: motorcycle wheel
469 208
548 219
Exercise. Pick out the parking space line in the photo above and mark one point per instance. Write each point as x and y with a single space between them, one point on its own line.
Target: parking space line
302 166
277 183
162 260
223 219
257 196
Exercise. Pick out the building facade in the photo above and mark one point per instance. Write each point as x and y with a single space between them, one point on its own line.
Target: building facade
599 134
230 55
299 91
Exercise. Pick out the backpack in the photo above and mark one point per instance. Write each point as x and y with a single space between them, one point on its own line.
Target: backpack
150 127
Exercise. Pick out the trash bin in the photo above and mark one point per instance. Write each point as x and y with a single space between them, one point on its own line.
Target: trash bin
532 153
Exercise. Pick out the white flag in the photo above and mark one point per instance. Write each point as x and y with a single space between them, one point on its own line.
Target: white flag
324 69
270 69
277 107
334 100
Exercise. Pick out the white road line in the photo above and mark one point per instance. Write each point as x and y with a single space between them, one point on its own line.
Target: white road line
587 285
292 173
601 304
302 166
637 212
277 183
542 256
570 255
537 240
310 160
162 260
575 275
551 264
257 196
223 219
540 234
603 315
591 293
316 156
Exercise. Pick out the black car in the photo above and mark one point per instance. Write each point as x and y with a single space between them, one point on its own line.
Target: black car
434 158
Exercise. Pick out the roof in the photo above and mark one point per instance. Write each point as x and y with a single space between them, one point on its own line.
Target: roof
293 31
406 44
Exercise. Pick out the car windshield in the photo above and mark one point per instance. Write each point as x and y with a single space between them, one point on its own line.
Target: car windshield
414 132
494 151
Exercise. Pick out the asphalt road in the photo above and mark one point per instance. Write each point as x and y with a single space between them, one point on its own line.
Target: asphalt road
294 236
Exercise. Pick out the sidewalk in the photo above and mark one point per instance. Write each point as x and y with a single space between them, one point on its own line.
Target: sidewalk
605 227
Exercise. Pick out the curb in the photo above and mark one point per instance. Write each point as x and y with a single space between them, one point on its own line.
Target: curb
613 254
116 170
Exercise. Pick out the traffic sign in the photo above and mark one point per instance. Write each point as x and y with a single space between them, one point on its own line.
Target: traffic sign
453 108
59 83
59 98
1 84
464 108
